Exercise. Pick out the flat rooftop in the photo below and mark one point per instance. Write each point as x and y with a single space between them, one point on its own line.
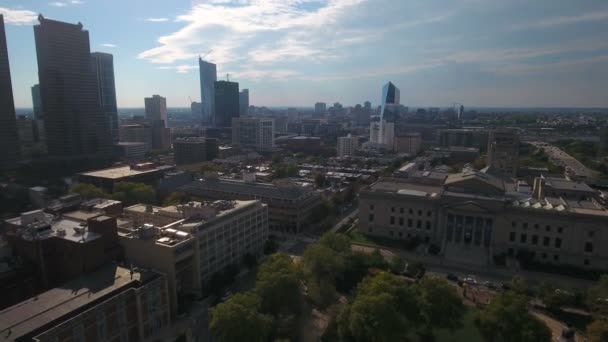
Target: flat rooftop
124 171
189 224
36 315
250 189
564 184
398 186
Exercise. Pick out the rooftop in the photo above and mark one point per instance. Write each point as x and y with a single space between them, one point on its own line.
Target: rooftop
125 171
38 225
37 314
402 187
565 184
288 191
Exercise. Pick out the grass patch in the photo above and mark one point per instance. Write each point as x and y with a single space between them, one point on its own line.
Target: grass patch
468 332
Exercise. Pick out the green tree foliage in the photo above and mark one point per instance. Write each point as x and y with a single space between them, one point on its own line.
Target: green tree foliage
442 307
285 170
176 198
416 269
384 309
133 193
597 331
239 319
554 299
88 191
507 319
397 265
597 297
278 285
320 180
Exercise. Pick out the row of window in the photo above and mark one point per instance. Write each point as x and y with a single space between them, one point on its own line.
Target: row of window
557 243
545 256
402 211
526 225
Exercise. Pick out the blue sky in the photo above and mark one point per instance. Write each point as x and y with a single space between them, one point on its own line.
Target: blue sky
296 52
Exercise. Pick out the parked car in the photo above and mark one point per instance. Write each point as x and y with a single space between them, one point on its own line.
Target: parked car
452 277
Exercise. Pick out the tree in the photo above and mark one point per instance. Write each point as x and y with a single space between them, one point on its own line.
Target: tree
554 299
320 180
397 265
278 285
376 260
239 319
88 191
519 286
597 296
443 307
132 193
176 198
384 309
507 319
416 269
597 331
320 265
270 247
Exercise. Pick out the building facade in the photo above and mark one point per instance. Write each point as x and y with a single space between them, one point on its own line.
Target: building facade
156 114
347 145
194 150
37 102
320 109
463 137
474 217
410 143
208 77
257 133
503 151
9 139
103 63
226 103
244 102
74 121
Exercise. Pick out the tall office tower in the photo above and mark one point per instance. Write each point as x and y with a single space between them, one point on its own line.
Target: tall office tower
244 102
9 139
226 103
73 118
389 114
208 76
197 109
503 151
37 102
103 64
320 109
257 133
460 112
347 145
374 132
156 114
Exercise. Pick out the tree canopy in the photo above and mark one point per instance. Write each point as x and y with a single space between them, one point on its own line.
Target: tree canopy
132 193
597 297
238 319
88 191
278 285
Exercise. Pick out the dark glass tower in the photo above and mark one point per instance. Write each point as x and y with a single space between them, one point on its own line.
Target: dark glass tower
37 102
9 140
208 75
74 120
390 103
103 64
226 103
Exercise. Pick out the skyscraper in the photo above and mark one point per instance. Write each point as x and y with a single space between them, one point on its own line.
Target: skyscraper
74 120
244 102
389 114
9 140
197 109
320 109
257 133
156 114
103 64
226 103
208 76
503 151
37 102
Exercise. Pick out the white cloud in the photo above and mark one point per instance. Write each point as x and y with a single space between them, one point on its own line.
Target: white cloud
108 45
563 20
157 20
66 3
18 17
182 69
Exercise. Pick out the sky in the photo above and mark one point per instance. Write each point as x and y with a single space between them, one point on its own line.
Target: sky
491 53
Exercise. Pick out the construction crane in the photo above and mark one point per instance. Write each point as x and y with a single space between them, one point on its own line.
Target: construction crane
228 77
205 54
190 99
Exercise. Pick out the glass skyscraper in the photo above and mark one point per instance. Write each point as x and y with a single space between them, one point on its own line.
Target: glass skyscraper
9 141
390 103
103 64
226 103
208 75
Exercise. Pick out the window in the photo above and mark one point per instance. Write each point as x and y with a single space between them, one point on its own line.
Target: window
513 224
411 211
392 209
590 234
409 223
418 224
560 229
429 213
371 207
400 234
401 221
586 262
369 230
523 238
371 217
555 257
535 239
392 219
546 241
428 225
588 247
536 226
419 212
544 255
401 210
512 236
548 228
558 243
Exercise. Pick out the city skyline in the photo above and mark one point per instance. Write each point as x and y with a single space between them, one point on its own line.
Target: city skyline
296 53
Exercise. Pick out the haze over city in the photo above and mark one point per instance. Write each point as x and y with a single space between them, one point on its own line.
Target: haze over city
296 52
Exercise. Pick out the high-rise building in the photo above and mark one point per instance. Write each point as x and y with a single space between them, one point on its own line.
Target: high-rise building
347 145
320 109
137 133
374 132
156 108
208 76
391 97
409 143
9 139
197 109
37 102
103 64
244 102
194 150
73 118
226 103
257 133
503 151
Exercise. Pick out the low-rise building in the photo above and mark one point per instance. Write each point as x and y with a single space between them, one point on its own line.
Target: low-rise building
110 304
194 150
409 143
289 205
256 133
147 173
474 216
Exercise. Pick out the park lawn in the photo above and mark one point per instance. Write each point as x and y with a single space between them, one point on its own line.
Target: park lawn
468 332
